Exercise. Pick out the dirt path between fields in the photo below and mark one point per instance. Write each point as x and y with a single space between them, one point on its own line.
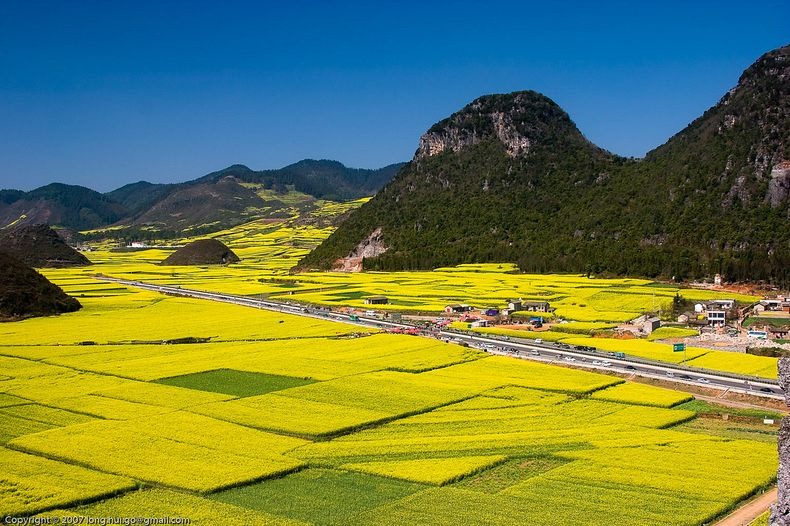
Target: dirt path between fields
750 511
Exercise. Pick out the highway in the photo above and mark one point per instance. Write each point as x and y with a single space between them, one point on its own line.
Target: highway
547 352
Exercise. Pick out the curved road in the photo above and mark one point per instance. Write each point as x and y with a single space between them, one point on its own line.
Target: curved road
547 352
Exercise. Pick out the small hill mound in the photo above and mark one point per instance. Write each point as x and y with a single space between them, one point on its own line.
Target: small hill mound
25 293
39 246
202 252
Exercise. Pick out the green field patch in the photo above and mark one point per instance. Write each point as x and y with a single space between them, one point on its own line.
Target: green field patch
765 320
319 496
236 383
509 473
735 428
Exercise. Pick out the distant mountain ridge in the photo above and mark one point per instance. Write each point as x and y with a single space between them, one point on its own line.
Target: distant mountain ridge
510 178
219 199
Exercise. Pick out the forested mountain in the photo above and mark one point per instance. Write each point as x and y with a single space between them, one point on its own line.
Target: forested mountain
214 201
140 196
511 178
322 179
71 206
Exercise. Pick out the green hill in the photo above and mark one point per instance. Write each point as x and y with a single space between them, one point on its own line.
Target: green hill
511 178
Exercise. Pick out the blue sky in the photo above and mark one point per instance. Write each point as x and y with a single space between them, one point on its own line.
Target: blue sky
106 93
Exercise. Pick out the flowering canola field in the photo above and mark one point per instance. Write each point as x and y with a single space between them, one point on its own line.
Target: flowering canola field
88 429
100 417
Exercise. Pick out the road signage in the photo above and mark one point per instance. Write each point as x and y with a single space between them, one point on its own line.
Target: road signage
678 347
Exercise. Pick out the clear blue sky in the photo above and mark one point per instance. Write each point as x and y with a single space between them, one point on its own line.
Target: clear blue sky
106 93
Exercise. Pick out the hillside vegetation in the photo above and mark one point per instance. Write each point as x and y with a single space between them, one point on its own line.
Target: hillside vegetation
511 178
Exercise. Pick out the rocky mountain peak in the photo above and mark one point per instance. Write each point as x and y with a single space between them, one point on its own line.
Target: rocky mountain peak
518 120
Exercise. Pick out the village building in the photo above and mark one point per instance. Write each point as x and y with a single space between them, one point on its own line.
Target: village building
779 333
458 308
377 300
725 304
536 306
716 318
651 324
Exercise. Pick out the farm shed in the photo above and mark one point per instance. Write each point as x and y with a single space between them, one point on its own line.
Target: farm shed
377 300
651 324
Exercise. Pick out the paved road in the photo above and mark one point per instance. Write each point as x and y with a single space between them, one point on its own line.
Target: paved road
547 352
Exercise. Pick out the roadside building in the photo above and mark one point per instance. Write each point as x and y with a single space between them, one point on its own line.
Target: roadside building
479 323
457 308
491 311
716 318
651 324
514 305
377 300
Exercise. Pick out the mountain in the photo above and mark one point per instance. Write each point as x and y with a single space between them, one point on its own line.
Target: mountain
218 200
140 196
25 293
40 246
322 179
215 204
511 178
238 194
59 204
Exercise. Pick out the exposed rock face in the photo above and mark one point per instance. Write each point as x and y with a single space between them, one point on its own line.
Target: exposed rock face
25 293
516 121
202 252
370 247
779 185
780 512
39 246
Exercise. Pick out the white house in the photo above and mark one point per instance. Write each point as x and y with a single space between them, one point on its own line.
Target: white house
716 318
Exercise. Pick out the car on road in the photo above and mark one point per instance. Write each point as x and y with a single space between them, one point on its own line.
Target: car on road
630 367
766 390
597 362
703 380
606 364
534 353
685 377
670 374
538 340
569 359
